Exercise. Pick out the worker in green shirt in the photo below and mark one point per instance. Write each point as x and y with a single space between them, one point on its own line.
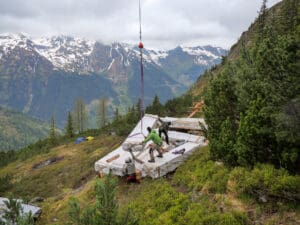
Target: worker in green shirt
157 143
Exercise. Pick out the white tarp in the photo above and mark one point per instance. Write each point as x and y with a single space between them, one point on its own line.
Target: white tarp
180 143
35 211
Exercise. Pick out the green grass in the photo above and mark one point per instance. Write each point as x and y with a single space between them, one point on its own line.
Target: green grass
201 173
199 192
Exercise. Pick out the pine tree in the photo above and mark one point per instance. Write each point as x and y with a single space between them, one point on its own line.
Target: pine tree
80 115
69 127
13 210
156 107
221 113
116 115
52 134
102 112
256 140
104 211
13 214
290 13
262 19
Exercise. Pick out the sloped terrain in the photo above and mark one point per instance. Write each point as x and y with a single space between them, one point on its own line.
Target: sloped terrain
200 191
17 130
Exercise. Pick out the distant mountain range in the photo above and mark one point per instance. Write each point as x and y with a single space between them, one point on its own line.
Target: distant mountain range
43 77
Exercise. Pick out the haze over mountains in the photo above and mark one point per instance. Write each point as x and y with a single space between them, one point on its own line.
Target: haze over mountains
43 77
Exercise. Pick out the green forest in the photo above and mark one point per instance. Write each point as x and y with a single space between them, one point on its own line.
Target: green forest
252 106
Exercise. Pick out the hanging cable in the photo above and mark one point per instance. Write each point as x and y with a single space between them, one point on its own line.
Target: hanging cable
141 46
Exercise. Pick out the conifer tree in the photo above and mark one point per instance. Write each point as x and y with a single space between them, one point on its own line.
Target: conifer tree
80 115
102 112
13 214
116 114
69 127
13 211
262 19
52 134
104 211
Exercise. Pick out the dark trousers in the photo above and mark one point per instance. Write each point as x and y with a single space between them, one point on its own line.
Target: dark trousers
154 147
165 133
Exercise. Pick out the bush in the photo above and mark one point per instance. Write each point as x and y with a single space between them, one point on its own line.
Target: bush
266 180
199 171
164 205
167 206
5 183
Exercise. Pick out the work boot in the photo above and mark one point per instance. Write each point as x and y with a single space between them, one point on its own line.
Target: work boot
151 161
159 155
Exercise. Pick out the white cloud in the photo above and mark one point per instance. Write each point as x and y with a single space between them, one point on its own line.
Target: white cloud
165 23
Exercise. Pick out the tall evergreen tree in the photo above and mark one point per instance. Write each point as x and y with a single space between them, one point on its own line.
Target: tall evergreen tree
156 107
221 113
116 115
80 115
102 112
69 127
52 134
262 19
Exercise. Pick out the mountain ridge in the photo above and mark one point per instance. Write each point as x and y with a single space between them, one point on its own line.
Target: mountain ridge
33 71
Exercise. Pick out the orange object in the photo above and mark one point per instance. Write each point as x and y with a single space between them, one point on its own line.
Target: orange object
138 175
113 158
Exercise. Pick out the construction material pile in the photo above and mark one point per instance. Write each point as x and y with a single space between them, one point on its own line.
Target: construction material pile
185 138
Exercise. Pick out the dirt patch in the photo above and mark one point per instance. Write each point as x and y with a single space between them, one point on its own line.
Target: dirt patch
83 180
47 162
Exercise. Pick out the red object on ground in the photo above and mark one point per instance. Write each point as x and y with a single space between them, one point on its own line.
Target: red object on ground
141 45
131 178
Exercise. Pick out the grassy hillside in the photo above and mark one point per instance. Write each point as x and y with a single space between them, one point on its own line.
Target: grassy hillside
18 130
199 192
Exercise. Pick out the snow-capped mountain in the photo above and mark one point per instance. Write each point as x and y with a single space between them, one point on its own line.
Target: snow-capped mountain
44 76
77 54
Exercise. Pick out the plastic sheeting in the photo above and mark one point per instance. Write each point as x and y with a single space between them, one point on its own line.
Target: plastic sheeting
35 211
115 161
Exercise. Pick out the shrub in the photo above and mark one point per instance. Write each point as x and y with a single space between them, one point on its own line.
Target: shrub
265 179
199 172
5 183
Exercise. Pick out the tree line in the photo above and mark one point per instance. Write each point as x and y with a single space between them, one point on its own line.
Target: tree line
252 107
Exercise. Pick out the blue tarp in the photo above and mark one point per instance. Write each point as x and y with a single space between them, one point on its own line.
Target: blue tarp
79 140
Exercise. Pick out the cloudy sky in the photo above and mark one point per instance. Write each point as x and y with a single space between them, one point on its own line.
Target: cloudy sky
165 23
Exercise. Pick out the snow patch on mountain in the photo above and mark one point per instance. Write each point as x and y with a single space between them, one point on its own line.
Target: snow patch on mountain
156 56
65 52
199 51
74 54
9 41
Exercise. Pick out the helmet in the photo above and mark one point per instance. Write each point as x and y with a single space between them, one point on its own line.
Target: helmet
128 160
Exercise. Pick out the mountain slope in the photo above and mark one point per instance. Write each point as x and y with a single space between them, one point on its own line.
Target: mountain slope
43 77
199 191
18 130
252 100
